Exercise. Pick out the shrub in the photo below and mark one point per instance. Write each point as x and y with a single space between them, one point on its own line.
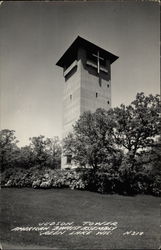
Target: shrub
8 184
155 186
36 183
106 181
76 181
65 178
101 181
45 184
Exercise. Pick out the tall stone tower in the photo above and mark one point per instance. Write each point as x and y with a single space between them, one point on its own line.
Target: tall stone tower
87 85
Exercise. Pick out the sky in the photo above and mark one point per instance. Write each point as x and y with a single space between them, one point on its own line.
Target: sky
34 35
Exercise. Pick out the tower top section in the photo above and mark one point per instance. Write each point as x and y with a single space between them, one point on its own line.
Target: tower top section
72 52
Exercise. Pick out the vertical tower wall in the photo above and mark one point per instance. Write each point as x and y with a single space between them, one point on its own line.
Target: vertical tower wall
95 89
71 98
87 85
84 90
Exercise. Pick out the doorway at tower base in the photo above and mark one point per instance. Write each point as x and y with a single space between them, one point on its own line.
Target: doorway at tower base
67 163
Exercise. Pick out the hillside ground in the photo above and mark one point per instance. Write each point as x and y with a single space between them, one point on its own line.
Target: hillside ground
26 207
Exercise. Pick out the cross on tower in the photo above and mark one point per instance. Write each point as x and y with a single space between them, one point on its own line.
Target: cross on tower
98 61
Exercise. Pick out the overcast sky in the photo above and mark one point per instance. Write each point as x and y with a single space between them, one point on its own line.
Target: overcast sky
34 35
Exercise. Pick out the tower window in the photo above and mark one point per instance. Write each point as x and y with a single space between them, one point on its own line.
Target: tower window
70 97
108 85
108 102
96 94
69 159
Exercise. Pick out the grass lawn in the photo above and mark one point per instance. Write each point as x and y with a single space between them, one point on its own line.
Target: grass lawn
28 207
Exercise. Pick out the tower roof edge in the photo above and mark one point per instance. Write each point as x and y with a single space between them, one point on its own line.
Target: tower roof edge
79 42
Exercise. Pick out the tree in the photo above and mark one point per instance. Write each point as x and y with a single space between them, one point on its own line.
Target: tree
38 145
137 125
46 151
26 157
155 157
97 136
8 148
54 150
91 143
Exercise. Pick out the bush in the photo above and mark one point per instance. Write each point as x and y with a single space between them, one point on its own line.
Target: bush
155 186
67 178
139 180
106 181
36 183
102 181
76 182
43 178
45 184
8 184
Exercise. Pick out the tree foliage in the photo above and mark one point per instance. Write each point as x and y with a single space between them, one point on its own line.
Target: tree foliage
26 157
8 148
46 151
97 137
91 143
137 125
41 151
38 146
55 150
